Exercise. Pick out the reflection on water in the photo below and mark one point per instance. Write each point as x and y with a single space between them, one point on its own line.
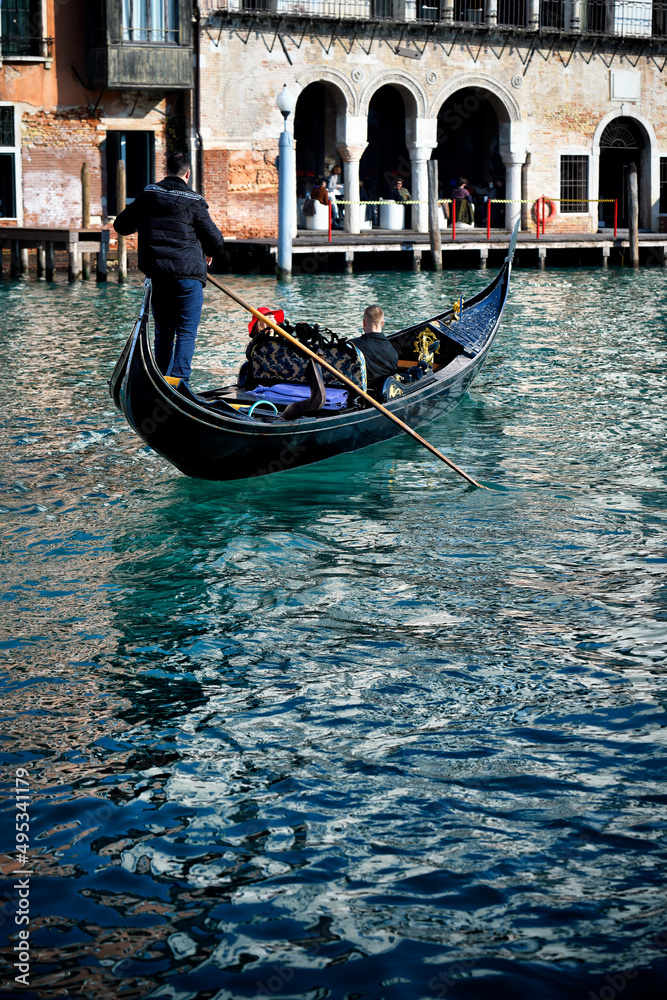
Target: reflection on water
354 730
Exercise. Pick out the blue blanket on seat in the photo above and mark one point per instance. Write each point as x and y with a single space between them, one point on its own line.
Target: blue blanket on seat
285 393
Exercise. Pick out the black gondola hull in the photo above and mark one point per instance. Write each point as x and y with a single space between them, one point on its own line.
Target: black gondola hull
205 443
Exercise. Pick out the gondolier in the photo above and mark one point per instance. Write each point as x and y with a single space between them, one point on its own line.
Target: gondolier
176 234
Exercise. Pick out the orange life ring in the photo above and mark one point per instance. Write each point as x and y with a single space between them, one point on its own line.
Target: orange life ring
547 213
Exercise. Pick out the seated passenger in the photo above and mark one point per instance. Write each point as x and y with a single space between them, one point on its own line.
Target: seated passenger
463 199
320 192
256 326
381 357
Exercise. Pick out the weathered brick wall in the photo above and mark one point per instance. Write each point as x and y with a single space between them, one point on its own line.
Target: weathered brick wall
241 190
55 144
556 126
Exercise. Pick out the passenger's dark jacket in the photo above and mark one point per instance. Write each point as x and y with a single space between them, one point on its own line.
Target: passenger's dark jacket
176 233
381 357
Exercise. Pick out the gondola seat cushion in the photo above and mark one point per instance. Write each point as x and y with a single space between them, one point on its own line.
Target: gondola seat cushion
274 360
285 393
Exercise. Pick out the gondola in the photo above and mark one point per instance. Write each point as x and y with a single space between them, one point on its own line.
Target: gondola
238 431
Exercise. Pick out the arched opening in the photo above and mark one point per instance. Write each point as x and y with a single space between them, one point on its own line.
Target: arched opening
386 158
314 136
469 147
621 144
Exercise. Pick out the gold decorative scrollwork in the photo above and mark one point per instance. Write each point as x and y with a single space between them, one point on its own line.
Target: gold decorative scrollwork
426 344
394 391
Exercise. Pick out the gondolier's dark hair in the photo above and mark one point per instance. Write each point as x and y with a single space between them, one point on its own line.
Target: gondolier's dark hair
178 163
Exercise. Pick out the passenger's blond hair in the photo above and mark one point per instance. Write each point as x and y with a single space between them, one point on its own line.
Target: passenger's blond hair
373 315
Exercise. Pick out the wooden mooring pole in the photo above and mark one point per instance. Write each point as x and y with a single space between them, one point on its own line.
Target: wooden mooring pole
120 205
15 259
49 260
85 214
633 216
433 220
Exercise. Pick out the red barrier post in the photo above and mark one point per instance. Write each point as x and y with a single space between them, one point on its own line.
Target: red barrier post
537 219
488 219
544 215
615 217
329 222
453 218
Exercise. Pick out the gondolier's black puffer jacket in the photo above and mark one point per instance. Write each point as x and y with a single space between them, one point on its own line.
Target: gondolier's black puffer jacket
176 233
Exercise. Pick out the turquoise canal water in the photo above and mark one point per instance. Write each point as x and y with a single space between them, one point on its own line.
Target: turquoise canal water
354 731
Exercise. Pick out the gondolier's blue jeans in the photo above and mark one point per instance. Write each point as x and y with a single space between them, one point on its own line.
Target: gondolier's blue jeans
176 304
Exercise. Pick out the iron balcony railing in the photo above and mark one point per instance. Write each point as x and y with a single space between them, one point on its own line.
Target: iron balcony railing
625 18
12 46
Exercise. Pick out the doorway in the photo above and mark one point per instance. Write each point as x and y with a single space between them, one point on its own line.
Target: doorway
7 186
314 136
386 158
622 143
137 151
469 147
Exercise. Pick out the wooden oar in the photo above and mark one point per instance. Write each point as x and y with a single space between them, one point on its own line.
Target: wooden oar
343 378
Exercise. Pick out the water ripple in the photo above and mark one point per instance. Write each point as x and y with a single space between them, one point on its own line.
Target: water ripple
355 730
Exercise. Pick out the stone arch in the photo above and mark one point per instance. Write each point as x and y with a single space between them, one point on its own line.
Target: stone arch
491 139
342 91
325 101
649 165
504 103
412 92
624 111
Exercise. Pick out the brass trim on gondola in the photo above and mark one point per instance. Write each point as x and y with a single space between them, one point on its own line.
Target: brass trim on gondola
427 339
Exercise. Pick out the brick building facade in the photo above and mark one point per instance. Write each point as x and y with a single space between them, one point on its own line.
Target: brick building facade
547 98
83 82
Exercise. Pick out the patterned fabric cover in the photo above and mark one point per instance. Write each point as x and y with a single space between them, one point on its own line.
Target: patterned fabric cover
475 324
273 359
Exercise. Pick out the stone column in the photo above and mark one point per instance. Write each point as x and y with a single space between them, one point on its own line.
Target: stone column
421 141
513 164
513 149
492 13
419 158
351 156
351 136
